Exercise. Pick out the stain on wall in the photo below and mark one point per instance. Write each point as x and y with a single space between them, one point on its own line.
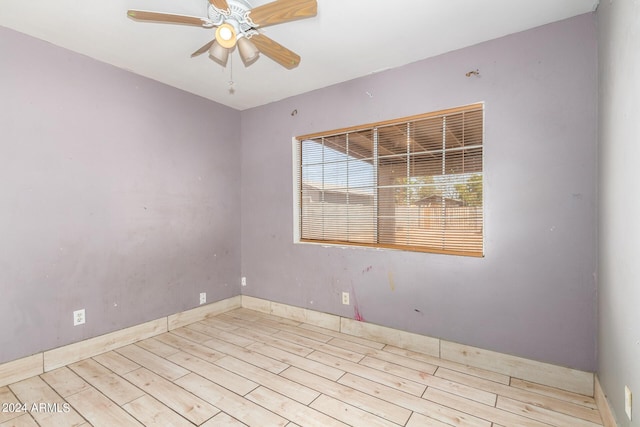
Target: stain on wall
392 283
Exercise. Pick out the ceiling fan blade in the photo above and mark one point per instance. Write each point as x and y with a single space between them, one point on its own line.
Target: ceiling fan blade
280 11
276 51
222 5
203 49
143 15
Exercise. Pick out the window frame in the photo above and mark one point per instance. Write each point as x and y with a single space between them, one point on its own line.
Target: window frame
298 184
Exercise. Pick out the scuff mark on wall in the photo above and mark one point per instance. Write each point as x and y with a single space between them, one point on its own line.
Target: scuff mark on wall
392 283
357 314
368 269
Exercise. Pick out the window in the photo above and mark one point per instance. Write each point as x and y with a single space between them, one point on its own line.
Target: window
413 184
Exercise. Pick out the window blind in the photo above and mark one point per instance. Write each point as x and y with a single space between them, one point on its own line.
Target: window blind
414 184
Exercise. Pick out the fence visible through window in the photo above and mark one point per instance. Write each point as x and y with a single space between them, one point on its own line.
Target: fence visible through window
414 183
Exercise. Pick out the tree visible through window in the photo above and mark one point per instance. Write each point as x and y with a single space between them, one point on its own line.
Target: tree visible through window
414 184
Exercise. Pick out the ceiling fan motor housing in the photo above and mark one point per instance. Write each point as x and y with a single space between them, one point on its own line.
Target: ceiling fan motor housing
237 17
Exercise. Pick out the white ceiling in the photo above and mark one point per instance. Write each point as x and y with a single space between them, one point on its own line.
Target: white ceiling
347 39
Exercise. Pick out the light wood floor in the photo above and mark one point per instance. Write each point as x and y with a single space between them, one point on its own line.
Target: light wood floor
250 368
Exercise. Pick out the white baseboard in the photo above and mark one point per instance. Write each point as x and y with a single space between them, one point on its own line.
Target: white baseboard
539 372
542 373
20 369
75 352
317 318
203 312
395 337
603 405
525 369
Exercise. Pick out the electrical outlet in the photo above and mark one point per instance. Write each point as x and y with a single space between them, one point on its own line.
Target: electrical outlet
78 317
627 401
345 298
243 281
203 297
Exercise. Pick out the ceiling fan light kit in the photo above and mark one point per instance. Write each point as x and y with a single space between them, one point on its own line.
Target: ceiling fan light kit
237 23
248 51
219 53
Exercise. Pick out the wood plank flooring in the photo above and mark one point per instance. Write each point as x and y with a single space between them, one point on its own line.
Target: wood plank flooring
250 368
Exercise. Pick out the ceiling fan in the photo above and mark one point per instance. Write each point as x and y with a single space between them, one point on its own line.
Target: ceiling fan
237 24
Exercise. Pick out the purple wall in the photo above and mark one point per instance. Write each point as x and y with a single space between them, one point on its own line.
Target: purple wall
117 194
120 195
619 214
534 293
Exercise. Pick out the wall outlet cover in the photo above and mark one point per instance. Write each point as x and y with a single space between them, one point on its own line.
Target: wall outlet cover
203 297
345 298
79 317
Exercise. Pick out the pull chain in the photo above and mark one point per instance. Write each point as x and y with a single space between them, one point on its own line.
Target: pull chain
232 90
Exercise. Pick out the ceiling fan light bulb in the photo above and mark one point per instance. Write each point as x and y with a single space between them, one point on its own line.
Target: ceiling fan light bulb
248 51
226 35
